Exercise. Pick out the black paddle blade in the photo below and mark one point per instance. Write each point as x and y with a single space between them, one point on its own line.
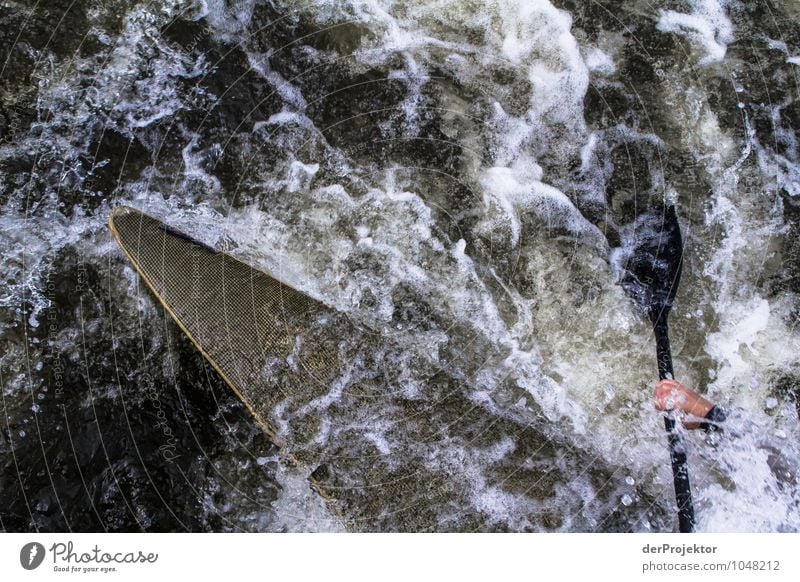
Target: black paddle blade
653 261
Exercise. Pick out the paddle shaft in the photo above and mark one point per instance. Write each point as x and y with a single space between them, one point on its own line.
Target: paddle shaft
677 451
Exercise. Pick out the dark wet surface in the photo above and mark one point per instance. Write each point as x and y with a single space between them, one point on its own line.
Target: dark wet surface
83 445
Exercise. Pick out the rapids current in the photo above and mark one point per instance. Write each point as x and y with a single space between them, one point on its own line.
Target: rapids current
461 178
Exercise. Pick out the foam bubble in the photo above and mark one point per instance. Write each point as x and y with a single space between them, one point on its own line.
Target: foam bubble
599 62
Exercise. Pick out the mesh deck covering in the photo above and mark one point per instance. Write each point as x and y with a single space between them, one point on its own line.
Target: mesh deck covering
278 349
249 325
330 394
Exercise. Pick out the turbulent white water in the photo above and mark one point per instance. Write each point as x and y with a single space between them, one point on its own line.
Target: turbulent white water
463 179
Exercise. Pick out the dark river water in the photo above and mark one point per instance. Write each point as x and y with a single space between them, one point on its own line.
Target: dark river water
465 180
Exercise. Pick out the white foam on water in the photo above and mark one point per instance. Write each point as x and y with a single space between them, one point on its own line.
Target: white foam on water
753 337
298 508
532 38
194 166
470 463
707 26
574 355
599 62
779 159
118 87
760 461
518 190
228 19
291 95
29 247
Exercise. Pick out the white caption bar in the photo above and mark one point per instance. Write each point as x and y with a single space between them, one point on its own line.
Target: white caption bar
371 557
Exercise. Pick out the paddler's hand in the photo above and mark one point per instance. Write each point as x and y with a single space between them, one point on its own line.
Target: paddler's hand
672 395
